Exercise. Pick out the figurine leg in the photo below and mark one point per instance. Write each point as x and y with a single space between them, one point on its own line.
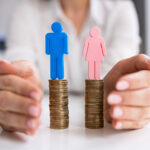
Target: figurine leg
60 67
53 67
97 70
91 70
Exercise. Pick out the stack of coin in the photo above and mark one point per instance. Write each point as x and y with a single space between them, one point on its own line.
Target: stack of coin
94 104
59 113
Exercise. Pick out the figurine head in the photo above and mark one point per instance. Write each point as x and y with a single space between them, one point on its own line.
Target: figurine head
94 32
56 27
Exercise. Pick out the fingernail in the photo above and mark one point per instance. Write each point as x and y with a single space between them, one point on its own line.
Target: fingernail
33 111
29 133
117 112
118 125
122 85
35 95
31 123
114 99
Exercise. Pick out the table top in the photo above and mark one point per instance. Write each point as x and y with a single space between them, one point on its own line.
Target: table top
76 137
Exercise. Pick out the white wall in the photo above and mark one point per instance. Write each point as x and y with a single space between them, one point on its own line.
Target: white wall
147 29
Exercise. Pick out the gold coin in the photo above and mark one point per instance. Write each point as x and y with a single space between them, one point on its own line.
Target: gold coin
94 104
59 113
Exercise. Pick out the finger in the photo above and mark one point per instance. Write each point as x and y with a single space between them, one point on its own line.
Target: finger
130 98
129 82
19 104
13 129
107 116
6 67
129 113
126 66
136 63
17 122
20 85
27 70
23 69
127 124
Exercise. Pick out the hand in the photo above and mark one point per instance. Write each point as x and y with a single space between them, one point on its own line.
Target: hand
20 97
127 93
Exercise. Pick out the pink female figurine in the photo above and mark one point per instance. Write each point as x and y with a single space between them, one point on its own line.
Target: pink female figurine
94 51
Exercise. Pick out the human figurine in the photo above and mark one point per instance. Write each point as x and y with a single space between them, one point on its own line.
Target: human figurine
56 47
94 52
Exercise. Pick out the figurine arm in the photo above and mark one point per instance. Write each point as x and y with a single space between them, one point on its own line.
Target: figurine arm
47 44
65 44
103 47
85 49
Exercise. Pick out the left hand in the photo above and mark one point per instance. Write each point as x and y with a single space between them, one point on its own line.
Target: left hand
127 93
21 93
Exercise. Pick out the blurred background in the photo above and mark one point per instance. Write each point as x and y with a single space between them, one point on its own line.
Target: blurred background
142 6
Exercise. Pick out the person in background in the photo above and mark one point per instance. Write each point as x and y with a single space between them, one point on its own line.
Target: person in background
126 76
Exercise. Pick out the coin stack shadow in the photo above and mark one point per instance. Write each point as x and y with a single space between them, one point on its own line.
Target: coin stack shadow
59 113
94 104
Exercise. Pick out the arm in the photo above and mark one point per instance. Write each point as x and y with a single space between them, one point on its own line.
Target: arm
47 43
103 47
85 49
65 43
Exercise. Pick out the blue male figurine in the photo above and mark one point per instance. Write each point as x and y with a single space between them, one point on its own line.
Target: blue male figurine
57 46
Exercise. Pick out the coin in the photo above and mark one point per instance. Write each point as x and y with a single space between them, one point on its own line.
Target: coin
58 105
94 104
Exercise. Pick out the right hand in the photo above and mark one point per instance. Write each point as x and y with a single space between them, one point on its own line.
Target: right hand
20 97
127 92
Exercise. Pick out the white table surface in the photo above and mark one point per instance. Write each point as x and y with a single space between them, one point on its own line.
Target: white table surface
76 137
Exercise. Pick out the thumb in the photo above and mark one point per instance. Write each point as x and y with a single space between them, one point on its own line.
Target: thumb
6 67
24 68
27 70
126 66
20 68
133 64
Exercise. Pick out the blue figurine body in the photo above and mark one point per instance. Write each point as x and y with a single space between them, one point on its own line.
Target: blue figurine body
56 47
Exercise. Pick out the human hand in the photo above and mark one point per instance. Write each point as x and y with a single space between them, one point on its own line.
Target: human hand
20 97
127 93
